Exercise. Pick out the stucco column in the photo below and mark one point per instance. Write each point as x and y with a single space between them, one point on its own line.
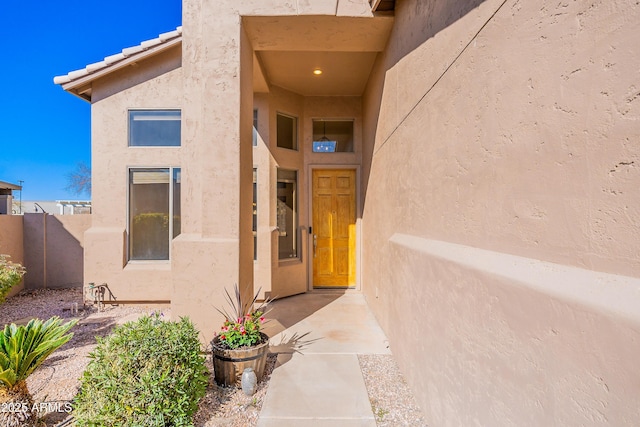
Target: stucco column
214 251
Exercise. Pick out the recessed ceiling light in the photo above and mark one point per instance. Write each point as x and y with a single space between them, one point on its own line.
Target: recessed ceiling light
317 71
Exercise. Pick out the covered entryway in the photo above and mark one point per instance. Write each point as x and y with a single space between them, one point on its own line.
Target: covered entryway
309 73
334 228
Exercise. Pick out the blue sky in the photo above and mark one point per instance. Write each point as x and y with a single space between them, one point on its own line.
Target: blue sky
46 131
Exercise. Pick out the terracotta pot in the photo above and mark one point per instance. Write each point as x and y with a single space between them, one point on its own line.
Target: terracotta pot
228 365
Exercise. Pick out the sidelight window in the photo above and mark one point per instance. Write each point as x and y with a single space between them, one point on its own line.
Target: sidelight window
287 214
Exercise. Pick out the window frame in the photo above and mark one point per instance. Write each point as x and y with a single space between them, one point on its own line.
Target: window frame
295 128
255 214
296 215
324 139
255 127
132 111
171 202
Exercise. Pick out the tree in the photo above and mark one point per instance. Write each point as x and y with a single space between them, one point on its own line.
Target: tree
79 181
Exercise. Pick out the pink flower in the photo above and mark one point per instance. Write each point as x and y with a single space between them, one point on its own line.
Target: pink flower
222 337
262 319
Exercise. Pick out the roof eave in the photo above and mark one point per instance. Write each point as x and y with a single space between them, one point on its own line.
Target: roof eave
81 87
79 82
382 5
8 186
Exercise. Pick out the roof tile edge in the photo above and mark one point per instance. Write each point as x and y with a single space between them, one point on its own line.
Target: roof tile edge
113 59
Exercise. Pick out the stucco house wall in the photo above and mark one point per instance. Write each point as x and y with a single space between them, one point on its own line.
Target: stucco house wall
153 84
289 276
266 233
497 175
501 189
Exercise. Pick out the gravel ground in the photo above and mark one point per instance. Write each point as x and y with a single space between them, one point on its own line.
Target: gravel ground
56 381
391 399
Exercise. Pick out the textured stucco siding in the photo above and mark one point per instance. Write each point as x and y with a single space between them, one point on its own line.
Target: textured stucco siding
511 127
153 84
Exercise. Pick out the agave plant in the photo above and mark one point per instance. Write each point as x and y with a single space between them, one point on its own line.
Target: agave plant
22 350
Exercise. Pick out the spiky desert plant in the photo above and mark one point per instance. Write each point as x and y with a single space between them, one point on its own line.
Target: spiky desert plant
22 350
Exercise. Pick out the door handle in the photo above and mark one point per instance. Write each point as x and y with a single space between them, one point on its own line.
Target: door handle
315 244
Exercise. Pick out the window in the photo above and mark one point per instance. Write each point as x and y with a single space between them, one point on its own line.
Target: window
287 214
154 128
255 214
154 212
255 127
332 136
287 131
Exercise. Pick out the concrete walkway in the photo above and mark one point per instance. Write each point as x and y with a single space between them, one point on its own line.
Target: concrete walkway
317 380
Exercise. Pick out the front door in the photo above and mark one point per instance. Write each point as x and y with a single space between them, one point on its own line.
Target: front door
334 228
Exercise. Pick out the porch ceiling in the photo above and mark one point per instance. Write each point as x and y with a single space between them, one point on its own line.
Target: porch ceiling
290 48
343 73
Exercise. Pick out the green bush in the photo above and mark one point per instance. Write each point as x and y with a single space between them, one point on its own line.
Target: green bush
146 373
10 275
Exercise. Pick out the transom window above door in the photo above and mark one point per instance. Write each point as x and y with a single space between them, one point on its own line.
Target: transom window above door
154 128
331 136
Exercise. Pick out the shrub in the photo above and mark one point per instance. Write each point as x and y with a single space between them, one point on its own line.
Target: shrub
149 372
10 275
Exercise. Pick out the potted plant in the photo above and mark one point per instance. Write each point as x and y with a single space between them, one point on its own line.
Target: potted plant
240 344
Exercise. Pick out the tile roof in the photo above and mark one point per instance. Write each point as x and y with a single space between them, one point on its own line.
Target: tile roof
146 47
8 186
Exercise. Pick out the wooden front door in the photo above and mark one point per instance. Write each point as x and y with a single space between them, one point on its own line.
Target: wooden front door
334 227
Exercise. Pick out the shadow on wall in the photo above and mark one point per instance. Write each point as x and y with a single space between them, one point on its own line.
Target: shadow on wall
433 16
53 250
425 19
